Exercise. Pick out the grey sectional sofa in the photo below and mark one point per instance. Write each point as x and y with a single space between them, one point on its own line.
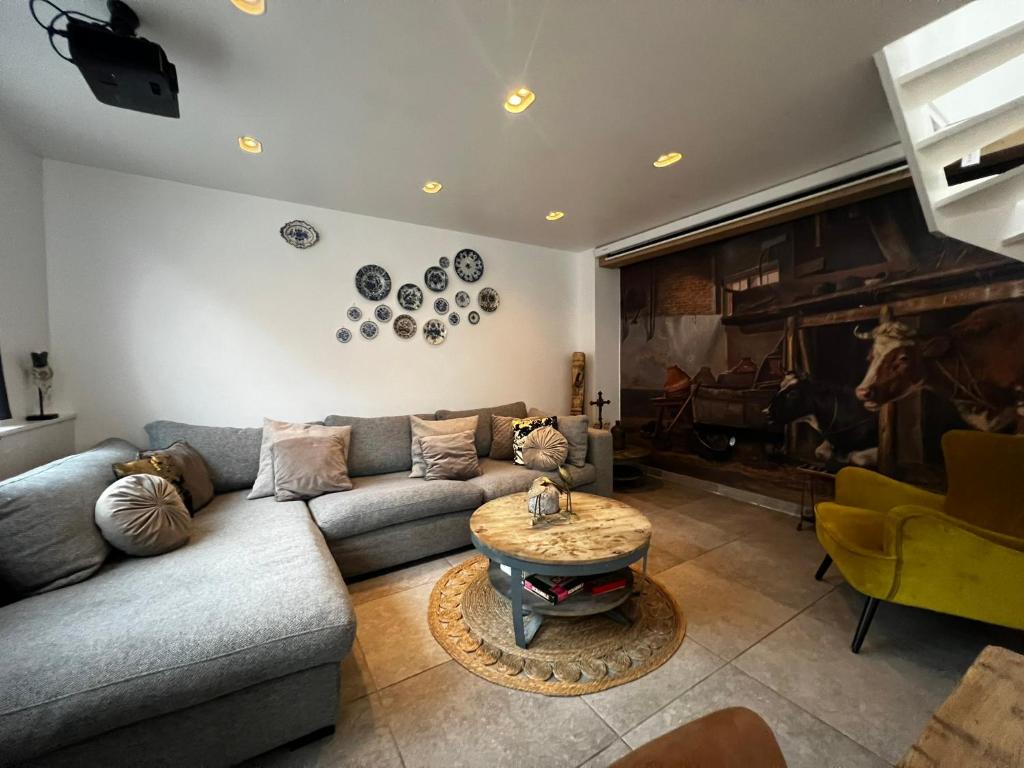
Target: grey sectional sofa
229 646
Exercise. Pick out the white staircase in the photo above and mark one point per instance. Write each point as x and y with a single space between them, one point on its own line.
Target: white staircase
955 87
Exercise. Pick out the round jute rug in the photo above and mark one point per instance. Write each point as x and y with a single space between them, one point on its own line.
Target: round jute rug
568 656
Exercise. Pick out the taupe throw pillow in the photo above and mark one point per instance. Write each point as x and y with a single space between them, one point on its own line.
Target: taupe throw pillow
273 430
450 457
545 449
310 465
143 515
195 473
422 428
501 437
575 429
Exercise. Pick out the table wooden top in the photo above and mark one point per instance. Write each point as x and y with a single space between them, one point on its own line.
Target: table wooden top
981 724
604 529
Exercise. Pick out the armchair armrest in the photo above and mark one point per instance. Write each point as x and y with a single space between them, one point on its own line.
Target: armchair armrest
858 487
601 454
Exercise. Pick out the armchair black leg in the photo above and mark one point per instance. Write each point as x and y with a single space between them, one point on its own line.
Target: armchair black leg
870 606
823 568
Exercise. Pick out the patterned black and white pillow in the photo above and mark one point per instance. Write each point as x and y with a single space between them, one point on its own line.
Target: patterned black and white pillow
522 427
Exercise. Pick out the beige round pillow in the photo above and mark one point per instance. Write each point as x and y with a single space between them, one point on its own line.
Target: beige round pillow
143 515
545 449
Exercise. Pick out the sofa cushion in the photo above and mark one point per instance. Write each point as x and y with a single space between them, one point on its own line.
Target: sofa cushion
254 596
483 424
381 500
48 538
500 478
143 515
379 444
575 430
231 454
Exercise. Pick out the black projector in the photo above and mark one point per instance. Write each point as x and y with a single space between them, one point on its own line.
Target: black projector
123 70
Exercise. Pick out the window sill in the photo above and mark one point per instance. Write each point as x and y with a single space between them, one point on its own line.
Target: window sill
17 427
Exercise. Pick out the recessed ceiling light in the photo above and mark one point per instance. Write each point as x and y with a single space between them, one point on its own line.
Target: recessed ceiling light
252 7
250 144
667 159
555 215
432 187
519 100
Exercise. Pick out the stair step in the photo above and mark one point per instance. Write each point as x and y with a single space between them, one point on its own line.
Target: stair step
962 55
972 188
978 130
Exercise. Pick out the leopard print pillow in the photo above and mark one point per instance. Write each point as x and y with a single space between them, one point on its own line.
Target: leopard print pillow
522 427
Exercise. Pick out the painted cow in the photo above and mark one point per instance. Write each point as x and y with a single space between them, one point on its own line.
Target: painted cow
977 364
849 432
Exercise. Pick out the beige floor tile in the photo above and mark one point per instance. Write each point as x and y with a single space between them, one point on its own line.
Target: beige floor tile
448 717
722 615
362 739
768 569
806 742
735 517
356 680
684 536
626 706
883 696
608 755
395 638
461 557
658 560
398 580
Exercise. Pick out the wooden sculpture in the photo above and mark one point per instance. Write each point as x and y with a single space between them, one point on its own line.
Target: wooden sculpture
578 397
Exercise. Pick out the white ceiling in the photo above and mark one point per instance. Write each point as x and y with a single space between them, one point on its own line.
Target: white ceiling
358 102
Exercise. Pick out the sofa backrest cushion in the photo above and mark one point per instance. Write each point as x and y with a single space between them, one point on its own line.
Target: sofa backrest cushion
48 537
483 424
231 453
379 444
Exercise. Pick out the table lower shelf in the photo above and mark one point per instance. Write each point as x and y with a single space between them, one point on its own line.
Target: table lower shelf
578 605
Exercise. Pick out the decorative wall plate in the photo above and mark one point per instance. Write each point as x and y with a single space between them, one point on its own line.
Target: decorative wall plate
299 234
462 299
344 335
373 282
383 313
444 262
441 306
436 279
355 314
488 300
369 329
468 265
454 319
434 331
405 326
473 317
410 297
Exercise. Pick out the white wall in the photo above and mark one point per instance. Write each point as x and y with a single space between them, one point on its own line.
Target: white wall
597 330
181 302
23 315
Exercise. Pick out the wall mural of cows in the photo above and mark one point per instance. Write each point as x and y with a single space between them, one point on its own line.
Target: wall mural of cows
977 364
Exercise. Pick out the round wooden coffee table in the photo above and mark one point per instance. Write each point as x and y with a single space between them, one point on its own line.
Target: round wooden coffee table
604 536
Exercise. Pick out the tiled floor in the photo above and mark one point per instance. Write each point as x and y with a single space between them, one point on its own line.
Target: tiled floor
761 633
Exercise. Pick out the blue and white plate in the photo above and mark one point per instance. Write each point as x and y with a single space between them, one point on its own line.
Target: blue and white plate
434 331
299 234
436 279
344 335
462 299
488 300
441 306
355 314
373 282
369 330
410 297
383 313
454 319
405 326
468 265
473 317
444 262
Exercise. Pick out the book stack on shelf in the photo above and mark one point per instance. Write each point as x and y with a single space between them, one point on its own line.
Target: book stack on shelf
558 589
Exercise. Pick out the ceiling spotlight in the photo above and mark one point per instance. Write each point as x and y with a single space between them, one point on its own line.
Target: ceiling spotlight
252 7
519 100
250 144
667 159
555 215
432 187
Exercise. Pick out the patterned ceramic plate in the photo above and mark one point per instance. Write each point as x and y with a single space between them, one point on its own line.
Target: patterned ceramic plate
488 300
454 319
405 327
299 234
355 314
473 317
434 331
462 299
369 330
344 335
383 313
410 297
436 279
468 265
373 282
441 306
444 262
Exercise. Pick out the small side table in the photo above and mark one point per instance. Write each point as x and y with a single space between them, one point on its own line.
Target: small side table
815 479
626 469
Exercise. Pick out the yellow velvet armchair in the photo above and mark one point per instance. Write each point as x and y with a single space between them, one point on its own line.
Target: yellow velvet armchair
962 553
